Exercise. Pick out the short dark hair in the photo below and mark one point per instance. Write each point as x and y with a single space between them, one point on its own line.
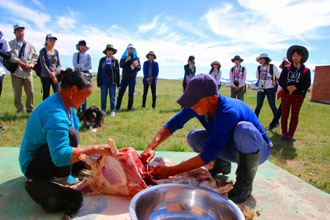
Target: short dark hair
75 78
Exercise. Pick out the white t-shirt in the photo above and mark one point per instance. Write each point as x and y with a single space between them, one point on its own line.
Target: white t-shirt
4 47
266 79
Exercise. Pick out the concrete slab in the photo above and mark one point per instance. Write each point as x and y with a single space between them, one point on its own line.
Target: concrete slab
277 194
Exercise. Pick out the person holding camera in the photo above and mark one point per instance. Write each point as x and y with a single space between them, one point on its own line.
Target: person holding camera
82 61
150 75
130 63
50 66
237 76
25 56
107 78
267 75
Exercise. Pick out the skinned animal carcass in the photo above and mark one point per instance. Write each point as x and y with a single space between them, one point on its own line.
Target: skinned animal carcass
125 174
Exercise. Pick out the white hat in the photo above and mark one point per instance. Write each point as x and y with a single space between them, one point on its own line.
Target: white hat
262 55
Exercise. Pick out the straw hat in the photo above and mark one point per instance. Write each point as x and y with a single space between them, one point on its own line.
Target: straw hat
263 55
216 63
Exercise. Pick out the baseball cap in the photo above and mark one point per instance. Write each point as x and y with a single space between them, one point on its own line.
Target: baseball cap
198 87
50 36
130 45
16 26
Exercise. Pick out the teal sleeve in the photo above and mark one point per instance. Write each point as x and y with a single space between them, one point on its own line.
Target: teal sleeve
57 135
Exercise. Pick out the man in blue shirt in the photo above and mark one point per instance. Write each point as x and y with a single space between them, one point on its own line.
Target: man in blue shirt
232 133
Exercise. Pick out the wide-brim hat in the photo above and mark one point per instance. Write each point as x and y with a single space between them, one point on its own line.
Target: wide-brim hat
293 48
216 63
263 55
151 53
237 58
109 47
282 64
82 42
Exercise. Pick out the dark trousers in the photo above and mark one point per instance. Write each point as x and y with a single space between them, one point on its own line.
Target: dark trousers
270 93
276 117
293 102
46 83
131 88
145 92
43 167
1 81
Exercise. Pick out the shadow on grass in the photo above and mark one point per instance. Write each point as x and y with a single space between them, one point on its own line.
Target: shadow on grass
14 116
176 110
283 150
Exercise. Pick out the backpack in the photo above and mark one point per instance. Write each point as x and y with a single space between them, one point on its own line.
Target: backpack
10 66
38 68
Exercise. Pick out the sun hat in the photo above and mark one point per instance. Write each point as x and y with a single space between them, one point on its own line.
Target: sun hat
109 47
263 55
82 42
293 48
151 53
284 60
16 26
216 63
237 58
198 87
50 36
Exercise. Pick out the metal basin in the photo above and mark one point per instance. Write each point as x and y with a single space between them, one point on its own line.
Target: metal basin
184 202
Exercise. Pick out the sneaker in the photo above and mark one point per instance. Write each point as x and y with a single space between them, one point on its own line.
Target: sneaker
129 110
2 127
277 124
284 137
104 113
69 180
113 114
269 128
29 111
289 138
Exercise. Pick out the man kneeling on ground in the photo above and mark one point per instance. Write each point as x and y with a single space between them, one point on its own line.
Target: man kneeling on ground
232 134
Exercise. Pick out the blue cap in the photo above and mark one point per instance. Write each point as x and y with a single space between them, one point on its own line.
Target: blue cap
198 87
1 34
16 26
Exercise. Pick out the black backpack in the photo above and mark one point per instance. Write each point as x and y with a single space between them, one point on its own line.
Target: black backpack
10 66
271 71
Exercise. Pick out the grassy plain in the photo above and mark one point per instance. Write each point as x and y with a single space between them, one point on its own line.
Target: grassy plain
307 157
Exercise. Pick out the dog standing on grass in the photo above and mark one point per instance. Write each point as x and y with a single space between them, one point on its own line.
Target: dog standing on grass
92 118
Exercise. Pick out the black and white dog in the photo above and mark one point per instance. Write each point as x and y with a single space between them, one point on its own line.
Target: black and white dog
92 117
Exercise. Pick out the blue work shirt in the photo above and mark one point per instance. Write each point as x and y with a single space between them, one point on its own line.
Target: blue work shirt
221 126
49 123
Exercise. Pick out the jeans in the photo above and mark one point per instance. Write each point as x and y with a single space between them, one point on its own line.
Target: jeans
108 86
46 82
145 92
131 88
270 93
276 117
246 139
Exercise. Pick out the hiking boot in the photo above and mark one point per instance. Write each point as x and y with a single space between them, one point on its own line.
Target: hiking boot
220 166
245 173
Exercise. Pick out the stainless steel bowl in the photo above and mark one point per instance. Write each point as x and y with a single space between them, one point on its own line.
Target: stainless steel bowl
184 202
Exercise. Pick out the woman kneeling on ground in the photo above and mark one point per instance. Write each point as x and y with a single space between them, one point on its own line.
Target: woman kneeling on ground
50 147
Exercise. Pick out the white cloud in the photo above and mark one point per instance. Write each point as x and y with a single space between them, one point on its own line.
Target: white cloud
150 26
26 14
38 3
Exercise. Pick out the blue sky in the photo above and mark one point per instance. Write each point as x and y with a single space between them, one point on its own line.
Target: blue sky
209 30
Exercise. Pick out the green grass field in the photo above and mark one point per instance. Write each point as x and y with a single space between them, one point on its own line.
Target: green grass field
307 157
